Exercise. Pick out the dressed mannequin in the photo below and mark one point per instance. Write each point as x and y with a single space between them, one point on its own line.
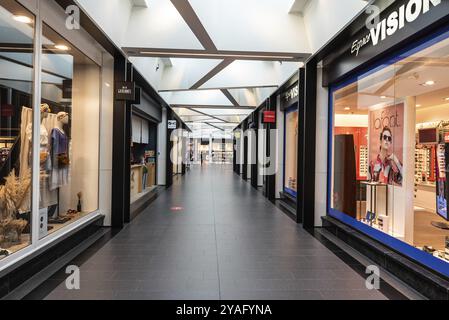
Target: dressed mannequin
46 197
59 153
44 111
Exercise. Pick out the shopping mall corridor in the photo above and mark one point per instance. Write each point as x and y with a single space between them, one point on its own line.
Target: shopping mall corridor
212 236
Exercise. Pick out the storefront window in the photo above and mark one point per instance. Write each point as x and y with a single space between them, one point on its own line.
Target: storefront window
143 157
16 111
291 151
69 148
391 148
222 151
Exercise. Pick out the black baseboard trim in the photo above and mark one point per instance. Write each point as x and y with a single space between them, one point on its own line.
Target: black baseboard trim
141 204
18 274
423 280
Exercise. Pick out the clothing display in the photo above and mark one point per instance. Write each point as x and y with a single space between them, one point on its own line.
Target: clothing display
60 162
53 154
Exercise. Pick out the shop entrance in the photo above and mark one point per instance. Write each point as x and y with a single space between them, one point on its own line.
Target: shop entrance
143 159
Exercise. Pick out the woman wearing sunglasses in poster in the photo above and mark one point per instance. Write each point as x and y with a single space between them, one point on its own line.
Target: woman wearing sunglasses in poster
387 168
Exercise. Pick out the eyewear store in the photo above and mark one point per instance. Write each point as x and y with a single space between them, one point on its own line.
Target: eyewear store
50 130
389 144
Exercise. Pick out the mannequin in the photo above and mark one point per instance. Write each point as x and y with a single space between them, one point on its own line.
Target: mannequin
46 197
59 153
63 119
44 111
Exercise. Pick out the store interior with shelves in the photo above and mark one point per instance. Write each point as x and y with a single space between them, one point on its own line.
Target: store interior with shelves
143 157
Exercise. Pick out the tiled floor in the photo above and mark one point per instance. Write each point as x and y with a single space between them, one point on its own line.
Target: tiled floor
228 242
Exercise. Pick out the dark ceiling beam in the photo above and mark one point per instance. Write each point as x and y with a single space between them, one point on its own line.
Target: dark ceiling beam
209 124
220 54
221 115
226 88
190 17
209 115
194 106
230 97
220 67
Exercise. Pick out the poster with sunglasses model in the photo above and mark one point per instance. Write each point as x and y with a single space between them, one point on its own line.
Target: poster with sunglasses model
386 139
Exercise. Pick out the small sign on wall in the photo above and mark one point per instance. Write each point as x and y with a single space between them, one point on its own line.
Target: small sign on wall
125 91
172 124
269 117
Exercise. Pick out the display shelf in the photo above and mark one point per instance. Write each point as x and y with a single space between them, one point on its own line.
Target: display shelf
73 218
363 156
423 166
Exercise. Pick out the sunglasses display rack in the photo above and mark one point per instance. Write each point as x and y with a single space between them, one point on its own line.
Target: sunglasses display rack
363 156
422 164
441 161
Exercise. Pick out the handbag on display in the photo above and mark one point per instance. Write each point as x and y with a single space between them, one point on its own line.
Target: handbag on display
63 160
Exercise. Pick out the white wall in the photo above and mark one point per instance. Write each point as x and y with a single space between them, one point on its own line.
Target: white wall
321 150
162 150
351 120
159 26
261 146
242 73
255 25
106 134
280 123
324 18
152 69
202 97
110 15
184 73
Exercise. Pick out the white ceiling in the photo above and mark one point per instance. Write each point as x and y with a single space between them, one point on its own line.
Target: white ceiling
221 57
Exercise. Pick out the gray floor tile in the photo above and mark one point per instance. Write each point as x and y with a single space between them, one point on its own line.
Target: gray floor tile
228 242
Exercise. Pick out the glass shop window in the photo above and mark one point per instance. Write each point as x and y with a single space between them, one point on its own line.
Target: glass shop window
16 109
391 148
291 151
69 148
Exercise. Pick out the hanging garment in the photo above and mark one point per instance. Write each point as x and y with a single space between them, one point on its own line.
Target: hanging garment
60 162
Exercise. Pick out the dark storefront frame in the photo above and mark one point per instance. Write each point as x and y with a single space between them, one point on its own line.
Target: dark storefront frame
269 181
396 244
293 108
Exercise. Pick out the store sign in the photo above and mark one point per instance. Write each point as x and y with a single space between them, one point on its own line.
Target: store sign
374 35
172 125
269 117
290 96
125 91
396 20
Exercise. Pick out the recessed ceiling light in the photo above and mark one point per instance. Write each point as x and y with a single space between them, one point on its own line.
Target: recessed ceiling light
347 109
22 19
62 47
419 105
383 97
447 99
428 83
